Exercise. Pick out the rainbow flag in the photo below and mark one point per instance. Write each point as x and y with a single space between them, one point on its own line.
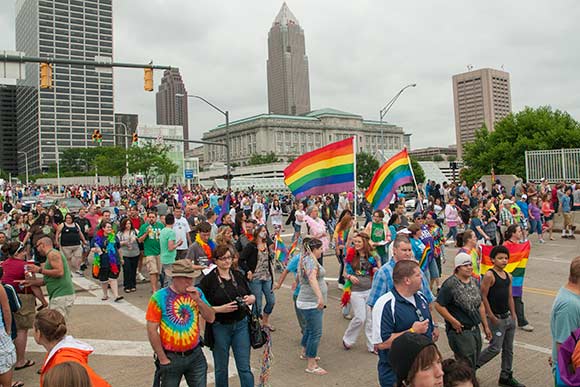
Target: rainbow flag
393 174
519 255
329 169
281 251
425 258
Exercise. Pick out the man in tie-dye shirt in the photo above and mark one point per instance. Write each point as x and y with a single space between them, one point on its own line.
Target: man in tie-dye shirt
173 328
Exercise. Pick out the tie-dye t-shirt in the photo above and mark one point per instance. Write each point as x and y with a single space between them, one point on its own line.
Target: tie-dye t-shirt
178 316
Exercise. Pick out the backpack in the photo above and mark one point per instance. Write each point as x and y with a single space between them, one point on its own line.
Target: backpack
15 305
568 354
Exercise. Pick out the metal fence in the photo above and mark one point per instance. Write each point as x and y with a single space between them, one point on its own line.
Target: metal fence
554 165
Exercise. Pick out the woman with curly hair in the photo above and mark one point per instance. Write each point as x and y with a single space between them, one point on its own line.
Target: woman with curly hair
361 264
106 265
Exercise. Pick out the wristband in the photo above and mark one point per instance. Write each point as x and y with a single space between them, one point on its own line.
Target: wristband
411 330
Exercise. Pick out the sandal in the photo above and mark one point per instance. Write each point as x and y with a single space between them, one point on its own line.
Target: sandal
104 298
29 363
41 307
133 290
346 347
316 371
18 384
270 327
119 298
303 357
127 290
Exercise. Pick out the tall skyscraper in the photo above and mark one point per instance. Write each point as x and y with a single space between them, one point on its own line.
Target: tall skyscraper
8 138
287 65
480 97
81 99
172 109
125 125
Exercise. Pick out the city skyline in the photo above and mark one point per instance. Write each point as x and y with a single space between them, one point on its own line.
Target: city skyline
359 56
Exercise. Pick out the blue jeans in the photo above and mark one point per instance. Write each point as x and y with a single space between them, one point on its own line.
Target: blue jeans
193 367
452 232
536 227
313 331
237 337
263 286
299 316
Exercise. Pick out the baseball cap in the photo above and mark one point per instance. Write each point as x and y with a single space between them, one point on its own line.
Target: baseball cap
506 201
462 259
524 196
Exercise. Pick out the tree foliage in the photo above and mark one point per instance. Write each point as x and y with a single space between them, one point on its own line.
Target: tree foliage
111 161
366 166
150 160
417 171
529 129
268 158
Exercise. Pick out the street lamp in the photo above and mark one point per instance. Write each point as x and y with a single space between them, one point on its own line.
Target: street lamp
383 112
227 116
126 148
57 162
26 164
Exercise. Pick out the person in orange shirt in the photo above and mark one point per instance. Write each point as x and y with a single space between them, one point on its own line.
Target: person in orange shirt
50 332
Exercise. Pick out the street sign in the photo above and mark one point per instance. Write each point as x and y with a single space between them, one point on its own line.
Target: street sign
188 173
12 70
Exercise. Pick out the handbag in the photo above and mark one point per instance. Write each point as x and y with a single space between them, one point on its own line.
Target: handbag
208 336
258 335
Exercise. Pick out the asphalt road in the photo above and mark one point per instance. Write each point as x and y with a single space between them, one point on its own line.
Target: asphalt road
123 355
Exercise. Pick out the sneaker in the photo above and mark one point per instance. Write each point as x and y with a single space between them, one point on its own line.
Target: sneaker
80 273
527 328
509 382
571 237
449 242
140 277
542 241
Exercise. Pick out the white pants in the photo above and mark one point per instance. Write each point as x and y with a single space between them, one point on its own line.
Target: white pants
362 316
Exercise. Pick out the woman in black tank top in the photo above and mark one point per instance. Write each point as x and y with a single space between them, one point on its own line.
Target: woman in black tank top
70 237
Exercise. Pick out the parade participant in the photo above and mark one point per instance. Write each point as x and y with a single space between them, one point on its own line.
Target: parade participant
257 262
182 231
496 291
226 237
403 309
56 277
149 236
201 251
239 224
467 243
513 235
458 373
317 229
42 227
85 226
505 217
438 245
276 215
565 315
229 294
168 248
71 239
311 302
173 329
459 302
535 217
566 208
548 213
212 219
421 251
489 221
476 225
361 263
68 373
342 242
452 220
49 331
247 236
107 263
129 251
299 215
328 214
7 349
380 234
417 361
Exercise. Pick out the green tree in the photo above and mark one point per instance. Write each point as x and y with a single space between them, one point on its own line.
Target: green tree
366 166
143 159
437 158
529 129
165 167
451 158
257 159
111 161
418 171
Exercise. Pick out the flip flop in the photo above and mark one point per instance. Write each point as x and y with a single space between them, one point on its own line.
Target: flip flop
303 357
18 384
316 371
41 307
29 363
104 298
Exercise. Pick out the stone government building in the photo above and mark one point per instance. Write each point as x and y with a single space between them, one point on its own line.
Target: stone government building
291 136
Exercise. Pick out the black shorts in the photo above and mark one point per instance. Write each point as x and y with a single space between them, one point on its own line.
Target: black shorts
106 274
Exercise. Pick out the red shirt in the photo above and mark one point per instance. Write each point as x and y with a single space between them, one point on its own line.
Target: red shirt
13 271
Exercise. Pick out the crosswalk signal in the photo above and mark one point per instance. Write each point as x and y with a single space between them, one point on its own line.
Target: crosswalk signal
135 138
45 76
148 77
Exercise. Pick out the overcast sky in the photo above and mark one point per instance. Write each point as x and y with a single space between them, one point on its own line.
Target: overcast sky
360 53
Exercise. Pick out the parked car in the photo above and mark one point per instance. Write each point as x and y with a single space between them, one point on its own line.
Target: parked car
411 203
28 202
73 204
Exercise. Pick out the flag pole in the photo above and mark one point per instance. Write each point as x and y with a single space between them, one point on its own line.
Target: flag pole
355 195
415 181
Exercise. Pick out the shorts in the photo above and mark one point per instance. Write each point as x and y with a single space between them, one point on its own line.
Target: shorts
7 353
548 218
181 254
105 274
24 317
62 304
567 219
433 270
153 264
72 252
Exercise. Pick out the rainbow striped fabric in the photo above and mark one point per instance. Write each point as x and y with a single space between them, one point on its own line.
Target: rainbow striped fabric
282 253
425 258
393 174
329 169
519 254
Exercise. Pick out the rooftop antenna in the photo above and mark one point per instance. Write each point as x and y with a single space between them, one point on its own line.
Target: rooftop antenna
469 67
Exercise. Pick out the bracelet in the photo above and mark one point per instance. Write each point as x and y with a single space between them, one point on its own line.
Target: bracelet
411 330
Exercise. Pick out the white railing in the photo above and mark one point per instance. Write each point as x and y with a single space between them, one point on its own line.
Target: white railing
553 165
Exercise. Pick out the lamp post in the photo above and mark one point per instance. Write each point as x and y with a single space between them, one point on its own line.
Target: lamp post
227 117
25 163
383 112
126 148
57 162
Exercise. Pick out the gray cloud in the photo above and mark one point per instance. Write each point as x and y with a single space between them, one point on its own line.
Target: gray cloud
360 52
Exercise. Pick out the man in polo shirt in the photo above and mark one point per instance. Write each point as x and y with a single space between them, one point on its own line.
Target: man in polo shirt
403 309
173 328
149 236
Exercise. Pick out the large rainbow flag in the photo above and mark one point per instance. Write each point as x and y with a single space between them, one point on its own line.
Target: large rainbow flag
393 174
329 169
519 254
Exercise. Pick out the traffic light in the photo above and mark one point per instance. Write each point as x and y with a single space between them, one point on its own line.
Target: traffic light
97 136
135 138
45 76
148 79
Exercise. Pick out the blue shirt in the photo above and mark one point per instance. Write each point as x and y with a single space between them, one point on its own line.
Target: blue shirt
393 314
383 283
565 203
524 207
564 319
292 267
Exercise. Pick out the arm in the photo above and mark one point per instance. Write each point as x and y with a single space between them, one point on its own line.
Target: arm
448 317
484 322
313 281
418 327
480 230
280 281
155 341
55 260
511 300
6 313
205 310
57 236
488 281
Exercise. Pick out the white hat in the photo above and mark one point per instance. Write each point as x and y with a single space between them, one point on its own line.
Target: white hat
404 231
462 259
524 196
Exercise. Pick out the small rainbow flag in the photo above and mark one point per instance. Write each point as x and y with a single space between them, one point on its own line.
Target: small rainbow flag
329 169
519 255
281 251
393 174
425 258
292 249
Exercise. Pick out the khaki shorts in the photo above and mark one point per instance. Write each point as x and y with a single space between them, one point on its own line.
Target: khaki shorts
24 317
567 219
153 264
63 304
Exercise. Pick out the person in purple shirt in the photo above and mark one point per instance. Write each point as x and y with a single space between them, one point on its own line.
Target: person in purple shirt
535 218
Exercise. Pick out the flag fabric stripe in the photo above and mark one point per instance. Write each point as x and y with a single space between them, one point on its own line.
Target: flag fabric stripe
390 176
519 255
329 169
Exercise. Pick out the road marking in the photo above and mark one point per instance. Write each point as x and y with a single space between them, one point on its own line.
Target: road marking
532 347
106 347
544 292
138 315
551 260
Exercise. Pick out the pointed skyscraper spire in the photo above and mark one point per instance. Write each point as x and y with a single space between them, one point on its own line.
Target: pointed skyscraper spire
285 16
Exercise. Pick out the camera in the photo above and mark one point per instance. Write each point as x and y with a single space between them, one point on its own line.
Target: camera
240 303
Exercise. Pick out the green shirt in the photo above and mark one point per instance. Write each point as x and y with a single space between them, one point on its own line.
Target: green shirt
62 286
151 243
167 256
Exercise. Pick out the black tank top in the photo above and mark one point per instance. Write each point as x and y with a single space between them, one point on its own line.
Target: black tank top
498 295
70 236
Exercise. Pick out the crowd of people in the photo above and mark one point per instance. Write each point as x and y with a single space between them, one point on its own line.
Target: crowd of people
209 258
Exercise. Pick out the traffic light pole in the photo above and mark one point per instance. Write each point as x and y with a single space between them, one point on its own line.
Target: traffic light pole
33 59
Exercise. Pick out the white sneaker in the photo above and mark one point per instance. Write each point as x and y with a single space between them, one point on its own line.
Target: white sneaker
141 277
527 328
449 242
